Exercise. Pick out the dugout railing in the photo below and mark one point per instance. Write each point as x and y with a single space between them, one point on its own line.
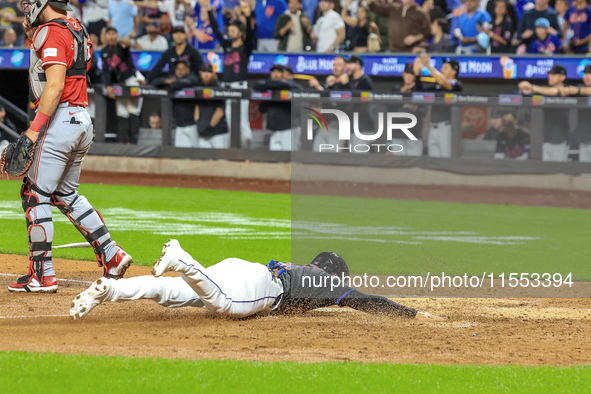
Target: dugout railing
457 164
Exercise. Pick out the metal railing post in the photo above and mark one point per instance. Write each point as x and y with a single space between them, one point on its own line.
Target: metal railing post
166 116
537 134
235 122
456 131
100 115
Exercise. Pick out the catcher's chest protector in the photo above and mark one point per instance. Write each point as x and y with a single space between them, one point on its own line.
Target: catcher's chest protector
37 73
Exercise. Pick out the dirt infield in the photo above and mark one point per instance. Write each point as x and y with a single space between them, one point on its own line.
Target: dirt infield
480 331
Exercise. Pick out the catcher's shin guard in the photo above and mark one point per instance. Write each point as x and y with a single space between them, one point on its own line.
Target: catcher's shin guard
99 238
39 228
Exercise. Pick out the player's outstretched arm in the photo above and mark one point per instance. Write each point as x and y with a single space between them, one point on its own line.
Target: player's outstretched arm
380 305
424 316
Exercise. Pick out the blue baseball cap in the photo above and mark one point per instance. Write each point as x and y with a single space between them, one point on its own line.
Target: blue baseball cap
542 22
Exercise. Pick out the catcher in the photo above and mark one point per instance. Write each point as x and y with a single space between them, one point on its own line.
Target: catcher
51 150
238 288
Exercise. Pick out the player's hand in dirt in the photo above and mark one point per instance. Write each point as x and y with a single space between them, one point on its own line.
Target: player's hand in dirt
424 316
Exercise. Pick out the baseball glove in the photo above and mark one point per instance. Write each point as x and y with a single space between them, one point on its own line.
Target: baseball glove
18 156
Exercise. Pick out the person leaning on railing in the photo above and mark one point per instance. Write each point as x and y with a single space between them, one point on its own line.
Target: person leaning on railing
185 132
339 80
279 119
409 84
555 147
210 117
180 49
583 129
439 137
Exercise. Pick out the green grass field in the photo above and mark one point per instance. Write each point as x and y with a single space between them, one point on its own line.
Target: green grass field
55 373
381 236
210 224
376 236
384 237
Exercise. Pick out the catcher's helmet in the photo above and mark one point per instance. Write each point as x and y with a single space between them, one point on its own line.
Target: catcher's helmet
331 263
33 8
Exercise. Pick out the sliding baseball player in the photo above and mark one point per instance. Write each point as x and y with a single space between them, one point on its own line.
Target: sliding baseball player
239 288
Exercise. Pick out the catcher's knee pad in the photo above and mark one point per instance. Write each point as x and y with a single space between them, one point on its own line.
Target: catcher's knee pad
32 197
66 203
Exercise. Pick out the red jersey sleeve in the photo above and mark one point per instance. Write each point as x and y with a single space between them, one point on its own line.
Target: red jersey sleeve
56 48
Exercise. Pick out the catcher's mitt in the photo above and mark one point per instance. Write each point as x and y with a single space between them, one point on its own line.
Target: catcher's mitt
18 156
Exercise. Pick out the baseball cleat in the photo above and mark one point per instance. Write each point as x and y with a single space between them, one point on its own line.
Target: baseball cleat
116 267
424 316
89 298
168 260
31 284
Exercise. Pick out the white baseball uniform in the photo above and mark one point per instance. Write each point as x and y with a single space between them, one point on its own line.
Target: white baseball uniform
233 287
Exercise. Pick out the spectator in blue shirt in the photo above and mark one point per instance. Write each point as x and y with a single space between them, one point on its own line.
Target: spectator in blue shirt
525 32
309 7
122 17
470 25
218 8
545 43
453 4
458 8
577 19
267 12
202 34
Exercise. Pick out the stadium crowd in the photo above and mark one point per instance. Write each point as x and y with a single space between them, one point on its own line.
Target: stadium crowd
438 26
